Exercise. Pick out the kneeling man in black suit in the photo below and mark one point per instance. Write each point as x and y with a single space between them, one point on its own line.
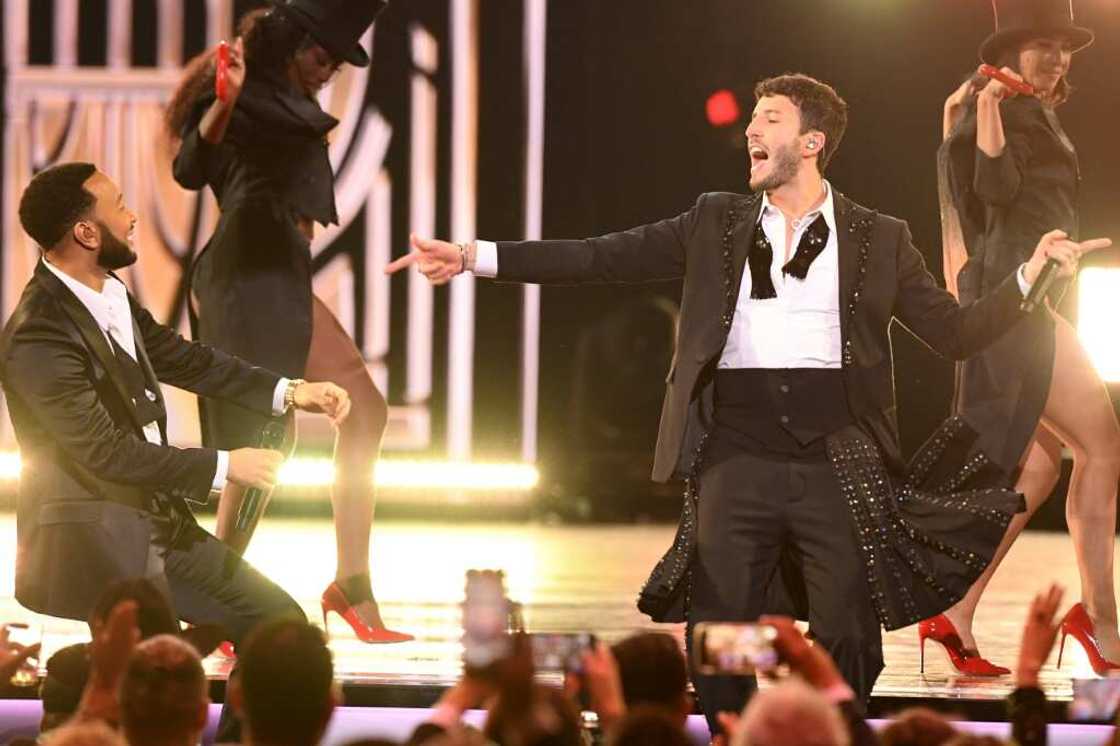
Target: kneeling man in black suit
102 495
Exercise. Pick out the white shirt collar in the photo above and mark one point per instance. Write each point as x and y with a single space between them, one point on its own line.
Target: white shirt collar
103 306
826 208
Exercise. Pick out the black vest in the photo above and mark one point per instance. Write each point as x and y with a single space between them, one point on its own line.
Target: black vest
148 406
785 413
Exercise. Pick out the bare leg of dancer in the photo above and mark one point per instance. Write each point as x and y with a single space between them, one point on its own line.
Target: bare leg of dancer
334 357
1078 412
1040 471
1084 418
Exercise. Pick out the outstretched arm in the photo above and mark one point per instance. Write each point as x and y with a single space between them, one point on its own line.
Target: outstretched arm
644 254
958 332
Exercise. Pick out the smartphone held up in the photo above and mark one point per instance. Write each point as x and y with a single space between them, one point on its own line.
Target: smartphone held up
734 648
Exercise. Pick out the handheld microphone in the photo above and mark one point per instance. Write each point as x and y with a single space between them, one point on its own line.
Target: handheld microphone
1019 86
271 436
221 73
1041 285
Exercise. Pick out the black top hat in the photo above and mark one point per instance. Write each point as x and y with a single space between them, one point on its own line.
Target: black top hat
1020 20
336 25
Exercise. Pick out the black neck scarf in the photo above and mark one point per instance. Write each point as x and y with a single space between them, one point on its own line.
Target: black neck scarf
761 256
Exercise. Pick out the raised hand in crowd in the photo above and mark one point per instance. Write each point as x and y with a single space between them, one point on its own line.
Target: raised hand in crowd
815 666
12 655
112 644
603 685
1027 704
810 662
1039 633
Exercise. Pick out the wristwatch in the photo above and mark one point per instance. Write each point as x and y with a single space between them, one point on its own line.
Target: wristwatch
290 393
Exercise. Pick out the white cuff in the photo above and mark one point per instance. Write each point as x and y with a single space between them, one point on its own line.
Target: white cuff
1021 276
485 259
221 472
278 397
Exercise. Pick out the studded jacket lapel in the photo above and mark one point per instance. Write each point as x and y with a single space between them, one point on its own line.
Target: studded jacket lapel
738 232
853 229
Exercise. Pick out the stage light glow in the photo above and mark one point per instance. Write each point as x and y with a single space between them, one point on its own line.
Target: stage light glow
391 473
306 472
9 465
722 108
1097 311
456 475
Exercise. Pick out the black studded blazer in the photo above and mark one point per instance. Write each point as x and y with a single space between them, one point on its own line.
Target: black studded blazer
89 475
882 277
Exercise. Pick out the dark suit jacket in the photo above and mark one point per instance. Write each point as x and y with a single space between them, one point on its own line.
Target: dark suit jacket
882 276
88 473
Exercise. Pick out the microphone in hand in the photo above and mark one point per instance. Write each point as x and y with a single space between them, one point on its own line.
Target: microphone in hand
1041 285
252 504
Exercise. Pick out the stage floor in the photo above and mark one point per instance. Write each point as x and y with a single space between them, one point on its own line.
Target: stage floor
568 578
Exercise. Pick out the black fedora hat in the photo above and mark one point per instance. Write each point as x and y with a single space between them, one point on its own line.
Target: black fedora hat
336 25
1020 20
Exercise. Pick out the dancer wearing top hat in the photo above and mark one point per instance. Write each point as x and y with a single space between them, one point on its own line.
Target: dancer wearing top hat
1009 174
263 152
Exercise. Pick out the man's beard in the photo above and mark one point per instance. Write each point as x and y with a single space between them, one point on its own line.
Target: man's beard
115 253
784 164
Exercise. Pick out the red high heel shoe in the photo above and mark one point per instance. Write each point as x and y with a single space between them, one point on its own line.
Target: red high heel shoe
335 600
1076 623
967 661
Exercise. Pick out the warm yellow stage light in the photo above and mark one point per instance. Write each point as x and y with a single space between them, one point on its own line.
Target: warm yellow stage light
456 475
1098 313
306 472
391 473
9 465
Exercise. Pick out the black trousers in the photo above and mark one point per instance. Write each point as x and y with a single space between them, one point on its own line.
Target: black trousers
209 583
752 508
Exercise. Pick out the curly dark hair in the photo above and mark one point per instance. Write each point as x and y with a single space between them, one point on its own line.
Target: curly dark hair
821 108
154 613
271 40
162 690
54 200
286 679
917 726
652 669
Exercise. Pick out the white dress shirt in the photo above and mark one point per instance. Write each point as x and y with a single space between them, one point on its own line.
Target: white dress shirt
800 328
111 311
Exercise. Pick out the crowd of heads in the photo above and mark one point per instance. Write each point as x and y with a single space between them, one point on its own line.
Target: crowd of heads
141 682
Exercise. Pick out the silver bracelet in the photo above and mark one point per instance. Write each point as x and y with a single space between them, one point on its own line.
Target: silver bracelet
462 257
290 392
